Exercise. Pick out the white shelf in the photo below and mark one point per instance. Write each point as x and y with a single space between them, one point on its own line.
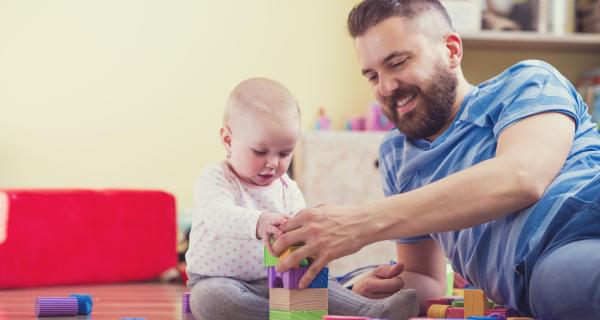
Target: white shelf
531 40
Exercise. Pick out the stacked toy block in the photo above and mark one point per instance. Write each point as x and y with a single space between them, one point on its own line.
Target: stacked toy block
285 300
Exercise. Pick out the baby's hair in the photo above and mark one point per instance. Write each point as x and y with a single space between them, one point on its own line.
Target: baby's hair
261 96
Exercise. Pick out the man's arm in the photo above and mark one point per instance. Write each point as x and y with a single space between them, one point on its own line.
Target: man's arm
529 154
528 157
424 271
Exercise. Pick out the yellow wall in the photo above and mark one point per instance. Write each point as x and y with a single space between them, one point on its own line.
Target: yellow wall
128 94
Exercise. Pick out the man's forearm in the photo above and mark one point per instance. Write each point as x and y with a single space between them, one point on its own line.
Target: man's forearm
471 197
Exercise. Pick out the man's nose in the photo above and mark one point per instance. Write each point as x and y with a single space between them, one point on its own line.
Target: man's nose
387 86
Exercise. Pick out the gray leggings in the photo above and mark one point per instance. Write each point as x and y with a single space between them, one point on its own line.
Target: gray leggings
226 298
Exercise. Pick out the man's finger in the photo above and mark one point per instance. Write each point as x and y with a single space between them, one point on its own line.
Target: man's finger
286 240
311 273
294 222
293 260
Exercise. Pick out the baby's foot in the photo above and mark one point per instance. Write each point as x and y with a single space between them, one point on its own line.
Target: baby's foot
401 306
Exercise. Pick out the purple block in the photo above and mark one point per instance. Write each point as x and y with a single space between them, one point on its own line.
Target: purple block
286 280
185 303
54 306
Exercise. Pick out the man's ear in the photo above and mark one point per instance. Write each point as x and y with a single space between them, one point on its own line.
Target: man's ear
226 138
455 49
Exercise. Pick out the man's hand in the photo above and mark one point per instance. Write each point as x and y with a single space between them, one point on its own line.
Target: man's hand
381 282
327 232
268 226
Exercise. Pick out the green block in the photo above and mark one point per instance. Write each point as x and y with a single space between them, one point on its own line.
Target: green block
297 315
272 261
458 304
269 260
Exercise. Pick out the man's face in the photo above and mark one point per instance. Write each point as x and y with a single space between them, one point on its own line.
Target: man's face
409 77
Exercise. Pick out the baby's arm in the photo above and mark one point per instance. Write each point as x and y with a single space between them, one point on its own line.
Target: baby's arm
215 206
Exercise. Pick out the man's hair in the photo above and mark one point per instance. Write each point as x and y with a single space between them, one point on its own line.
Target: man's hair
368 13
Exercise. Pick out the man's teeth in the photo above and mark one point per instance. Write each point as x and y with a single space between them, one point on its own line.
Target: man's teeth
404 100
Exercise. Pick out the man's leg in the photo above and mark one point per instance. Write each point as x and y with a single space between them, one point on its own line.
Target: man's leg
565 283
226 298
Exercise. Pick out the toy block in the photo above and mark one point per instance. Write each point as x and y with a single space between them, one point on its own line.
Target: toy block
455 313
481 318
474 303
519 318
296 300
458 292
56 306
268 259
442 300
272 261
290 279
501 312
296 315
332 317
458 304
320 280
437 310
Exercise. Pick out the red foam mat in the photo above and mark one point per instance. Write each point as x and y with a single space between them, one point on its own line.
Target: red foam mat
59 237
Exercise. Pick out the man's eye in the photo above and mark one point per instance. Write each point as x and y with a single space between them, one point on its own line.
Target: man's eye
260 152
373 79
398 65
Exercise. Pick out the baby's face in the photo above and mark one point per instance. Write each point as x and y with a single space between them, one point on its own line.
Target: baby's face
261 149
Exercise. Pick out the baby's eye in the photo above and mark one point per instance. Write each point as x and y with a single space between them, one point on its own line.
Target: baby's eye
284 154
260 152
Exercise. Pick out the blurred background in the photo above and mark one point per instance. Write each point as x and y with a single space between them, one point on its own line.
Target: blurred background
129 93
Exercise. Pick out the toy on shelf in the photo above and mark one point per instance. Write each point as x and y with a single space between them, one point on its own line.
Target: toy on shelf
323 122
374 120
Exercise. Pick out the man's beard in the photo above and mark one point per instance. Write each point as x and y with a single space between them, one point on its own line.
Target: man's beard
429 118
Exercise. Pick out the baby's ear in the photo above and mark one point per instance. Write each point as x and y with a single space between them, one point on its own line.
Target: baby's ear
226 137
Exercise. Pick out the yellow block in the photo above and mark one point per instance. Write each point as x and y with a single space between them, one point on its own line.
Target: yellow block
474 303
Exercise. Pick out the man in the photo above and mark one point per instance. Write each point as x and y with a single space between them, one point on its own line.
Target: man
503 179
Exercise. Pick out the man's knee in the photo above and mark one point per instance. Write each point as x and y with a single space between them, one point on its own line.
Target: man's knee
564 283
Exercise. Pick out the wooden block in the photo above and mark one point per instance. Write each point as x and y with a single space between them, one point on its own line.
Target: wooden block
296 300
519 318
321 280
290 279
272 261
442 300
296 315
496 311
331 317
455 313
437 311
268 259
474 303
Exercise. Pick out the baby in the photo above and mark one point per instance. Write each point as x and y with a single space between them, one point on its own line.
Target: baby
243 200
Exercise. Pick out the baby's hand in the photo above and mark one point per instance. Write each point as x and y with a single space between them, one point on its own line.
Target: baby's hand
268 226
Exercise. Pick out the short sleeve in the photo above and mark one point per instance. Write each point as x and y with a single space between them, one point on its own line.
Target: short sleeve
533 90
